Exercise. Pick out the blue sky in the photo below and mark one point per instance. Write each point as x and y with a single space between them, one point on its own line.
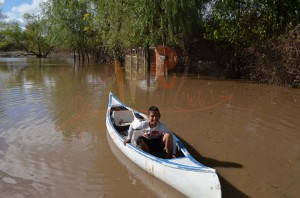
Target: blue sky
9 4
15 9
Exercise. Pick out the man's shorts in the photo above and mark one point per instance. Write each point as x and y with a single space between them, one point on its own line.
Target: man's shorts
154 145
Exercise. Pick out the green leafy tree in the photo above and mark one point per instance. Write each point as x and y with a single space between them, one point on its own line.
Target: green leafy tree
110 19
145 23
248 22
3 41
34 39
72 24
12 33
37 39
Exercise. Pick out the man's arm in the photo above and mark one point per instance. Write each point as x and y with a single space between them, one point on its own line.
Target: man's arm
131 130
129 135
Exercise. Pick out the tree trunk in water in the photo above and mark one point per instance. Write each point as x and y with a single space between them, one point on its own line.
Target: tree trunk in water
148 58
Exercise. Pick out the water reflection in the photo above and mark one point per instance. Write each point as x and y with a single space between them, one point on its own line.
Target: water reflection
160 79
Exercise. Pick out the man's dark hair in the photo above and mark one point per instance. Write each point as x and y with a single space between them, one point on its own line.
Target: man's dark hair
153 108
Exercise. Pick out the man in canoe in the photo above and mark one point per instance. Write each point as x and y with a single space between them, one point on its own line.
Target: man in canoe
156 135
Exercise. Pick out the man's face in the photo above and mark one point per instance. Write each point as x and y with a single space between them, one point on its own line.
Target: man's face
154 117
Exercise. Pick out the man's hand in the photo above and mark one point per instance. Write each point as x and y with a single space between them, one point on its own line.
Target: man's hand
126 141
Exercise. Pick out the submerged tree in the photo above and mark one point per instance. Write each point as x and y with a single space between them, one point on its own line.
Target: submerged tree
142 23
72 25
34 39
37 38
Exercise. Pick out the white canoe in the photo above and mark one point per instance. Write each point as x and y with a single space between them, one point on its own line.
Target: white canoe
183 173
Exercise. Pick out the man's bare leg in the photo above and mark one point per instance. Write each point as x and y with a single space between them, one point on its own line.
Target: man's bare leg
168 140
143 146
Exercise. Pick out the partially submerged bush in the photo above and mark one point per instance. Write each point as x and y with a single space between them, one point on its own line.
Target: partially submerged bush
275 62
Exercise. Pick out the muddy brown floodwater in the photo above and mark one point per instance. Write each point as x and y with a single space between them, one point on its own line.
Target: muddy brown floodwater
53 139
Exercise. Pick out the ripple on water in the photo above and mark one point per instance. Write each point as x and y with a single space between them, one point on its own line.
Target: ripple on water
9 180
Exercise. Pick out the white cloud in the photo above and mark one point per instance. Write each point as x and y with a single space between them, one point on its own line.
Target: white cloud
17 12
1 5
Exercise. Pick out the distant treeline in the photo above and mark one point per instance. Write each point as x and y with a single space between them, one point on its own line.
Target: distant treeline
101 30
